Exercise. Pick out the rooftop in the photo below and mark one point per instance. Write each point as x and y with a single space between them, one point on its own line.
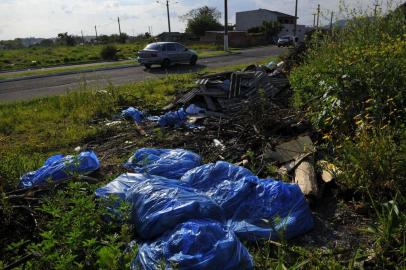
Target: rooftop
279 14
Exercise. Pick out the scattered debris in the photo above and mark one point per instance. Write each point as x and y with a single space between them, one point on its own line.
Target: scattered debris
219 145
113 123
328 171
133 113
296 150
305 177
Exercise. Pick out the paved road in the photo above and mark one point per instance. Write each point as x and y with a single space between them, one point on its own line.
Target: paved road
54 85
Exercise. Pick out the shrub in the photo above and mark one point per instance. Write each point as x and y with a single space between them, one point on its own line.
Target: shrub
109 52
352 83
374 161
356 74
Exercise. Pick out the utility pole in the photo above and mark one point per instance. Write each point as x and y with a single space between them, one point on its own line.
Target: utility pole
83 39
95 29
225 26
167 11
376 9
318 16
295 29
314 19
119 26
331 22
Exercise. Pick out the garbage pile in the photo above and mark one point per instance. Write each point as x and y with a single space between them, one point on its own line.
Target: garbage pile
228 92
193 219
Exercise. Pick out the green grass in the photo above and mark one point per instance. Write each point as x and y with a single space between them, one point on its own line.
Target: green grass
92 67
37 57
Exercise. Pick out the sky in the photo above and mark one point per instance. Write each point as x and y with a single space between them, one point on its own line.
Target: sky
47 18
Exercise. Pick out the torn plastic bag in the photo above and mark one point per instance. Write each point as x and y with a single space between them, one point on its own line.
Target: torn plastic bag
132 113
120 185
173 119
60 167
193 109
194 245
169 163
159 204
255 208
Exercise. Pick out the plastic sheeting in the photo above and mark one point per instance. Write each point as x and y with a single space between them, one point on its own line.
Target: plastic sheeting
158 204
173 216
193 109
170 163
133 113
120 185
195 245
255 208
60 167
173 119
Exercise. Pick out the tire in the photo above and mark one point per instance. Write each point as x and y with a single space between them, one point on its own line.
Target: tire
166 63
193 60
147 66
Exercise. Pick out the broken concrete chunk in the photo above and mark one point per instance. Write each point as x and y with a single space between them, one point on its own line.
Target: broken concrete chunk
293 150
305 177
329 171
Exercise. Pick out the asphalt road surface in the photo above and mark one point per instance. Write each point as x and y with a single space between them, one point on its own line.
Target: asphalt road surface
54 85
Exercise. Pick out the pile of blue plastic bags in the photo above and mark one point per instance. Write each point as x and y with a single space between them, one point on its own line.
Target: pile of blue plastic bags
190 215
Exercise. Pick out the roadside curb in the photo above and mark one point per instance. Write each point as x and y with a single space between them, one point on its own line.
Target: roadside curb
92 70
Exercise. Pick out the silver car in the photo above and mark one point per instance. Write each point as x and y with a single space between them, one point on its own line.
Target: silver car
165 54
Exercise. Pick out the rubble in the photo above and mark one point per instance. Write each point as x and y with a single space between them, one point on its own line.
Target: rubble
328 171
305 177
296 150
228 92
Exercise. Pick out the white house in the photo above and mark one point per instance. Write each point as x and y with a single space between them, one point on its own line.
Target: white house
253 18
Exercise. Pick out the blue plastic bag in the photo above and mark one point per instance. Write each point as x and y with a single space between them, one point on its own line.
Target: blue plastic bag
133 113
169 163
275 210
173 119
255 208
195 245
120 185
159 204
193 109
60 167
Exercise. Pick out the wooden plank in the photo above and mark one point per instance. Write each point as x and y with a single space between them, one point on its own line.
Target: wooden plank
188 96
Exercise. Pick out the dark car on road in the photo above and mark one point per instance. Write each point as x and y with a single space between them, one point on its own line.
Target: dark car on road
165 54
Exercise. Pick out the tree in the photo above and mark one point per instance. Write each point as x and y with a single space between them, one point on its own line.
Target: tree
271 29
202 19
66 39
